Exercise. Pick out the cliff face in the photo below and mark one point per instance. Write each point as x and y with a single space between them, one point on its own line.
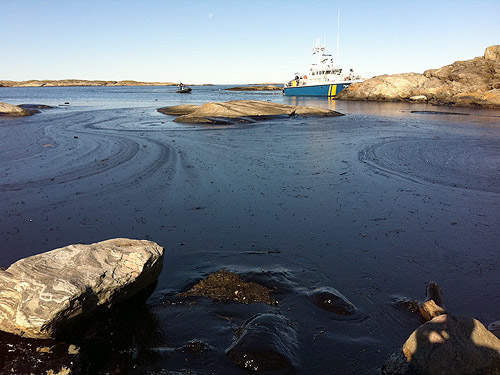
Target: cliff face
474 83
79 82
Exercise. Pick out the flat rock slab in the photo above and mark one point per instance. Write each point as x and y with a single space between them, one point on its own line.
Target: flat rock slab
13 110
246 110
45 295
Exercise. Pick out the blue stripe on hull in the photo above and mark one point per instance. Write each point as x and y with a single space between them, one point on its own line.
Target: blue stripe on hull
319 90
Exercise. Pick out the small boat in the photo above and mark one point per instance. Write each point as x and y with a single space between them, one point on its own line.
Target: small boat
323 79
184 90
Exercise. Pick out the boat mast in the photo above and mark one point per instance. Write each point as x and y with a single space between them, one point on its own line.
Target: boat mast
338 35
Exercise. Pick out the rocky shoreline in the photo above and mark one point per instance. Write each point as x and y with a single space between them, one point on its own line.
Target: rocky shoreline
469 83
256 88
79 82
42 296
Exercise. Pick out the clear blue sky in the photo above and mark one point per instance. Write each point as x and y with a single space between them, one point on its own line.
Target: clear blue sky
248 41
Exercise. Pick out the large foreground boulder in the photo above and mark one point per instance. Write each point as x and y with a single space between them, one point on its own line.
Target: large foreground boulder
447 344
47 295
241 111
474 82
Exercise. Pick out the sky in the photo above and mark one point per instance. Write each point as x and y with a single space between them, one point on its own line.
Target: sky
231 42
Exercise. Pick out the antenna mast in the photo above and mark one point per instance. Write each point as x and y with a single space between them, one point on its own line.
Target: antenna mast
338 35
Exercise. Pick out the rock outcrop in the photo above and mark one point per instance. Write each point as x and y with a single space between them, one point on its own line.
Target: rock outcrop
474 83
241 111
447 344
47 295
13 110
256 88
79 82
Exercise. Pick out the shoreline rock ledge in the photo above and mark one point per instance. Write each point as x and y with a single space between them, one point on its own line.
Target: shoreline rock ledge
240 111
469 83
7 109
50 294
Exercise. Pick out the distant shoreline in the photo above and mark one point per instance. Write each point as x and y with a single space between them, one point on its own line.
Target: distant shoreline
83 83
100 83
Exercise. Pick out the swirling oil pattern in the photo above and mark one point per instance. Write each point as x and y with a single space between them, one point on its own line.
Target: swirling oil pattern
373 205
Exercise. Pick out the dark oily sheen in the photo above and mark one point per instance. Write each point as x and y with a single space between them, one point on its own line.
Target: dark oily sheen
331 299
266 342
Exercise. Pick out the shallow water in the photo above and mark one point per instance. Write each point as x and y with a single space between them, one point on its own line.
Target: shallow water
375 204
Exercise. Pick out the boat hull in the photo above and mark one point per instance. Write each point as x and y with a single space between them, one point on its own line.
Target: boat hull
326 90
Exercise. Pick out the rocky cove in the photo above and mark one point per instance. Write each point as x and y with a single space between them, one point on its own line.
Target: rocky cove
343 220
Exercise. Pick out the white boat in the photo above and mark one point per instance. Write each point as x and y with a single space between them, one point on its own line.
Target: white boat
324 77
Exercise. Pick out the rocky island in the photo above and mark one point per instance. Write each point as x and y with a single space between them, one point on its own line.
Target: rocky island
240 111
469 83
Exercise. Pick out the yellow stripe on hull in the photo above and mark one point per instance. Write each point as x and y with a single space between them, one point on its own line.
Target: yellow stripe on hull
333 90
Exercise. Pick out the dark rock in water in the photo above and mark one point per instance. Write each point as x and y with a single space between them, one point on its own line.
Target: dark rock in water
266 342
433 305
447 344
332 300
406 303
35 106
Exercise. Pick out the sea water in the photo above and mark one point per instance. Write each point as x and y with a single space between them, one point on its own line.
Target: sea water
375 203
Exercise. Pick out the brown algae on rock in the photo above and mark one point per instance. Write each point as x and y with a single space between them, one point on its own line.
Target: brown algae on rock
227 286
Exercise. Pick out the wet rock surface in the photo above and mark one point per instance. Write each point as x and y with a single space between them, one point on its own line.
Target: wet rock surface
447 344
331 299
38 357
227 286
51 294
470 83
266 342
241 111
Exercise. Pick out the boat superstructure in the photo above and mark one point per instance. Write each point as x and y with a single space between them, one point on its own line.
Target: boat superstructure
324 77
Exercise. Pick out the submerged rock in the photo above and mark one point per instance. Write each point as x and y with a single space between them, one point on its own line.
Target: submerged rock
227 286
49 294
332 300
474 82
241 110
447 344
266 342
